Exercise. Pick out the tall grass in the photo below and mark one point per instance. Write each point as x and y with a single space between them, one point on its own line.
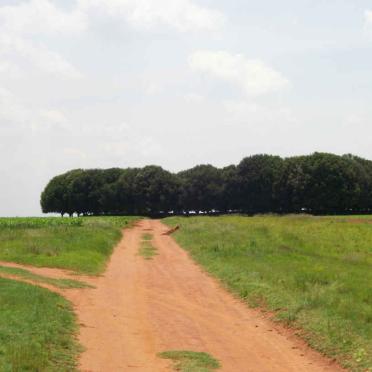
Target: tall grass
315 273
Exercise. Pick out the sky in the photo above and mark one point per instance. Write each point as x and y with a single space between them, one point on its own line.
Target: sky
176 83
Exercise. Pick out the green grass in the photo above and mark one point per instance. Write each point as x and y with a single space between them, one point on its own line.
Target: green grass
191 361
147 236
79 244
60 283
315 273
37 329
37 222
147 249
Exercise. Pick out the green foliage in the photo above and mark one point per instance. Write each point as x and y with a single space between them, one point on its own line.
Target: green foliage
155 190
202 188
191 361
320 183
256 177
37 329
84 247
315 273
229 197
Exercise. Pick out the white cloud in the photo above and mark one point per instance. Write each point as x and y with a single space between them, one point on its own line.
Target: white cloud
10 109
25 22
20 24
53 116
194 98
17 115
368 22
40 17
152 88
368 16
75 153
253 76
14 47
122 140
182 15
43 17
244 111
9 70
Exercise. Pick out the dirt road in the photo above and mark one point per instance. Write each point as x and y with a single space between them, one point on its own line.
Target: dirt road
144 307
141 307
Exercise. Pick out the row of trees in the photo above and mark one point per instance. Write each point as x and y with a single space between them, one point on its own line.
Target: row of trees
320 183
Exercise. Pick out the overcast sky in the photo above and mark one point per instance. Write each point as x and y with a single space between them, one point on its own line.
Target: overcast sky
124 83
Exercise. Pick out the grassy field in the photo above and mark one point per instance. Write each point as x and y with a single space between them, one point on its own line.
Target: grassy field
37 329
314 273
79 244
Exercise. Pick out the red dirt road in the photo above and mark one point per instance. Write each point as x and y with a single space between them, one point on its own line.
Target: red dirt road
142 307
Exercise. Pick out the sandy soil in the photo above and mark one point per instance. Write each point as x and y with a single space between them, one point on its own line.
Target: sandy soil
141 307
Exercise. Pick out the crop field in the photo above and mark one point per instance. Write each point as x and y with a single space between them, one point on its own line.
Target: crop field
37 327
313 273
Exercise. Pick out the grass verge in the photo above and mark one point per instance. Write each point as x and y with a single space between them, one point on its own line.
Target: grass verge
191 361
315 273
79 244
60 283
37 329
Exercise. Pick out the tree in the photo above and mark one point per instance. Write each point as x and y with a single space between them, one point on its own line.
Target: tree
290 187
53 197
85 190
108 191
229 198
363 173
124 191
155 190
201 188
57 196
320 183
256 177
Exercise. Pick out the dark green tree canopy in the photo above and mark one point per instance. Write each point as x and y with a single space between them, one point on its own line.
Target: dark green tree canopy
202 188
256 177
320 183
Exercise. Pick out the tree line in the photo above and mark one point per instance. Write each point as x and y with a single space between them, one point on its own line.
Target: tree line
320 183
